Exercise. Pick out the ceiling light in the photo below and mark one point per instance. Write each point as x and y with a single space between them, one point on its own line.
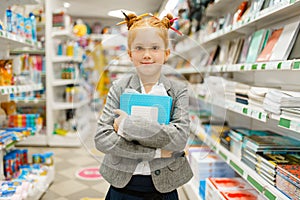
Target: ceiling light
67 5
118 13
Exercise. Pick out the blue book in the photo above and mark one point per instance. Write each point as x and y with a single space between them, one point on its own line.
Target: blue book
153 107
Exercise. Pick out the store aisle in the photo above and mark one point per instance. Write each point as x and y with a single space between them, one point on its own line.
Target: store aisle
66 185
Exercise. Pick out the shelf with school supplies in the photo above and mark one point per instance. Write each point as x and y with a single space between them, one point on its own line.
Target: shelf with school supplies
12 41
20 88
259 183
267 120
264 18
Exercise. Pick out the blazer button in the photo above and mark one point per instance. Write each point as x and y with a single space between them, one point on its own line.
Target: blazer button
157 172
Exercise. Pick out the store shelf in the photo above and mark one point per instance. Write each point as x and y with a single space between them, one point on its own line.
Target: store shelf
27 101
261 66
260 184
34 140
62 59
13 41
63 35
191 191
290 124
21 88
264 18
27 51
240 109
65 106
63 82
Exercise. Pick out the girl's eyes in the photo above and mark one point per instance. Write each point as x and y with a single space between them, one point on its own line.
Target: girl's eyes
153 48
139 48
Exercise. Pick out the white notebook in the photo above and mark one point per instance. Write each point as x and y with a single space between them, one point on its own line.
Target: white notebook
284 45
146 112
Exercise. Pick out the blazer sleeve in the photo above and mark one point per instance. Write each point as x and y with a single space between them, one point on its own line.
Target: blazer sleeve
172 136
108 141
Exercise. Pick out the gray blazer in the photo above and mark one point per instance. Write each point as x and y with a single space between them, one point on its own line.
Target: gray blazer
142 137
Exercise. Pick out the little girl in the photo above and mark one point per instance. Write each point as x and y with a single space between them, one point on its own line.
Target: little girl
144 159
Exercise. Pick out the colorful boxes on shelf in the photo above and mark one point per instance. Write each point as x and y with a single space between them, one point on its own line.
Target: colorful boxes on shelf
230 189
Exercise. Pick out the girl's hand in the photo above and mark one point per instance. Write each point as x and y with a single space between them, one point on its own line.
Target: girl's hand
166 153
118 120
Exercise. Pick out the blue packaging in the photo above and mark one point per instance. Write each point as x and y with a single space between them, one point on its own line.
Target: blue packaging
33 26
9 20
20 24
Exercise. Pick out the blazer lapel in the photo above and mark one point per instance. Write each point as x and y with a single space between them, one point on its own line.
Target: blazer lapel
135 83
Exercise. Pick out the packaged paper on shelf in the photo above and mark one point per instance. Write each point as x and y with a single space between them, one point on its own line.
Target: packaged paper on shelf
147 106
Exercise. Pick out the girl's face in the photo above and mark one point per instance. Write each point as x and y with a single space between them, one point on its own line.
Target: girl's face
147 51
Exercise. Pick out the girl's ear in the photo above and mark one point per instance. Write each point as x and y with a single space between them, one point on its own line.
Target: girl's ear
167 54
129 54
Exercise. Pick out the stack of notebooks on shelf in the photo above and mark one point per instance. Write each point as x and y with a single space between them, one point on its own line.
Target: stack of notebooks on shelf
268 163
237 136
236 92
257 151
230 189
208 164
277 101
256 97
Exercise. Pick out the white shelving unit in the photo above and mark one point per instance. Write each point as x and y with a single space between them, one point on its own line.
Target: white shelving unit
9 42
260 184
282 73
56 106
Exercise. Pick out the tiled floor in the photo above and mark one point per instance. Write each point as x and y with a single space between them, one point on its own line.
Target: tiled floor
66 185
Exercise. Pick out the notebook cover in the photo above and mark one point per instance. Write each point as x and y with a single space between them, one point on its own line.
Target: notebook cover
286 41
163 103
267 51
256 45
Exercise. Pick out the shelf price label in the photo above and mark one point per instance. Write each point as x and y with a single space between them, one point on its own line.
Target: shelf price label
285 65
271 65
296 65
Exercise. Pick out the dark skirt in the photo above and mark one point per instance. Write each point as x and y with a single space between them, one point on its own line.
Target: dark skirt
139 188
